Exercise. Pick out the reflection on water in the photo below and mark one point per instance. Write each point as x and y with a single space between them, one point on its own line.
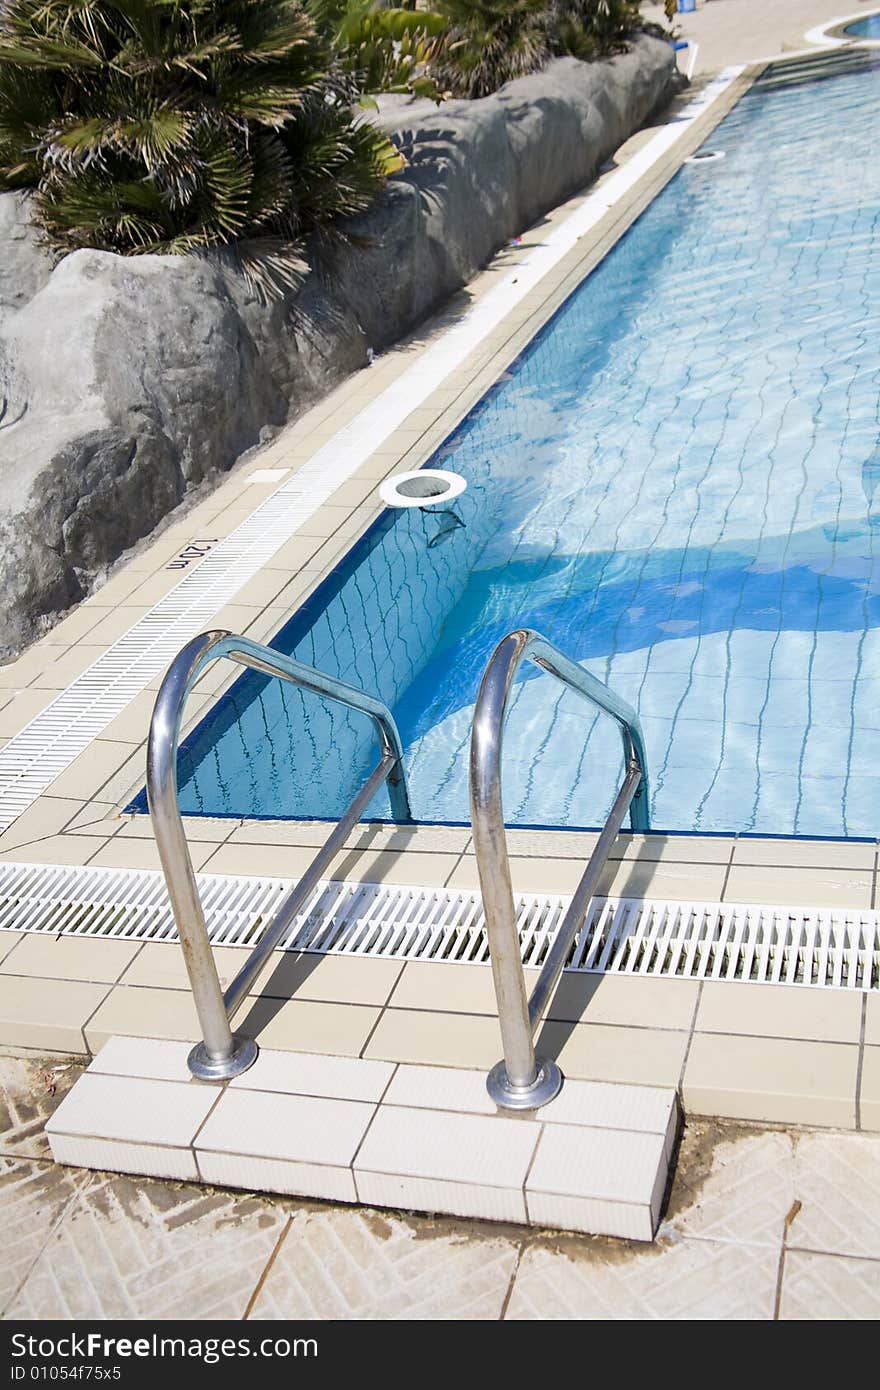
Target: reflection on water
677 484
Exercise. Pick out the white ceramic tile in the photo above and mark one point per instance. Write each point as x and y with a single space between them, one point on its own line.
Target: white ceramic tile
626 1220
830 1288
837 1180
133 1250
440 1088
434 1195
614 1165
34 1199
446 1147
132 1109
682 1281
144 1057
108 1155
672 1132
308 1074
300 1129
331 1184
604 1105
355 1265
660 1186
740 1192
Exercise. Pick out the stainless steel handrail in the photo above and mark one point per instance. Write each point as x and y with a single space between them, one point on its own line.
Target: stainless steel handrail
222 1053
521 1081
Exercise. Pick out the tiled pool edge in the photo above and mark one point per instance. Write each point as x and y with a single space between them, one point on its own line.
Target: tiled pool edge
596 1160
786 1054
96 818
128 667
88 831
831 35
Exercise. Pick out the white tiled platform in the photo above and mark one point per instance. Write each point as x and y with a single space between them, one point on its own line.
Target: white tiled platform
344 1129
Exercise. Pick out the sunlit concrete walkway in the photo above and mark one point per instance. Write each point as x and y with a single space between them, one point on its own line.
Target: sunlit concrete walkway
759 1225
739 31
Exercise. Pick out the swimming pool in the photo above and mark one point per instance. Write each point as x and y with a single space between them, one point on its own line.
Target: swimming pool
676 484
867 28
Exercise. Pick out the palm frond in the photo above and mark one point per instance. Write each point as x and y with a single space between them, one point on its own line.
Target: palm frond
183 126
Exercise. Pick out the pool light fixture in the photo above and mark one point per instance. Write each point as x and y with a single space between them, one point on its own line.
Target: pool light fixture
423 487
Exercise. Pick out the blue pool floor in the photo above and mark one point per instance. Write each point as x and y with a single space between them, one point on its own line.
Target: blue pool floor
678 484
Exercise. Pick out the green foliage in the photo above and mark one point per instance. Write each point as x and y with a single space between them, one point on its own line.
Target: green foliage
589 28
180 125
385 49
184 125
491 42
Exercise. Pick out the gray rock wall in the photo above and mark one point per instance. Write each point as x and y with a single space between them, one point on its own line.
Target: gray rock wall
24 267
126 382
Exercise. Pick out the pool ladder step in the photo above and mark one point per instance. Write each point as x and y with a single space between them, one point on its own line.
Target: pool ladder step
519 1082
829 63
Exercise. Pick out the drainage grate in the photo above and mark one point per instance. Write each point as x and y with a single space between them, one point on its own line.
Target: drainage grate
827 947
32 760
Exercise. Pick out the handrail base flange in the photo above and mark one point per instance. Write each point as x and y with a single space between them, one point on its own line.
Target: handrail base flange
207 1068
545 1087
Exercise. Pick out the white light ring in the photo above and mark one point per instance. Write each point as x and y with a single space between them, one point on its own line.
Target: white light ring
705 157
453 485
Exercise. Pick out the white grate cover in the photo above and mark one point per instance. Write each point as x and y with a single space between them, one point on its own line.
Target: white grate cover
826 947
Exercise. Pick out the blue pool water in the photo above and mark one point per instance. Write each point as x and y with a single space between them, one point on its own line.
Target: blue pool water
867 28
679 484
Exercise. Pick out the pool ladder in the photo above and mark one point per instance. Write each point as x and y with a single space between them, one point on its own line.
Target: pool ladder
222 1053
521 1081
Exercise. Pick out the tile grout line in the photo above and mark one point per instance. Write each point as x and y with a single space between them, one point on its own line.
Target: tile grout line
861 1061
369 1038
454 870
360 1144
258 1287
523 1246
780 1274
780 1268
191 1146
53 1230
729 868
86 1021
832 1254
389 996
690 1039
542 1126
395 1068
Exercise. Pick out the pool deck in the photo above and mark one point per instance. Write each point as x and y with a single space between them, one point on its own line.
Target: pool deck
739 31
793 1055
758 1226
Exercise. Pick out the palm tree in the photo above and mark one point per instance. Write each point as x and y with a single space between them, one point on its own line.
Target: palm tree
588 28
490 42
386 48
175 126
